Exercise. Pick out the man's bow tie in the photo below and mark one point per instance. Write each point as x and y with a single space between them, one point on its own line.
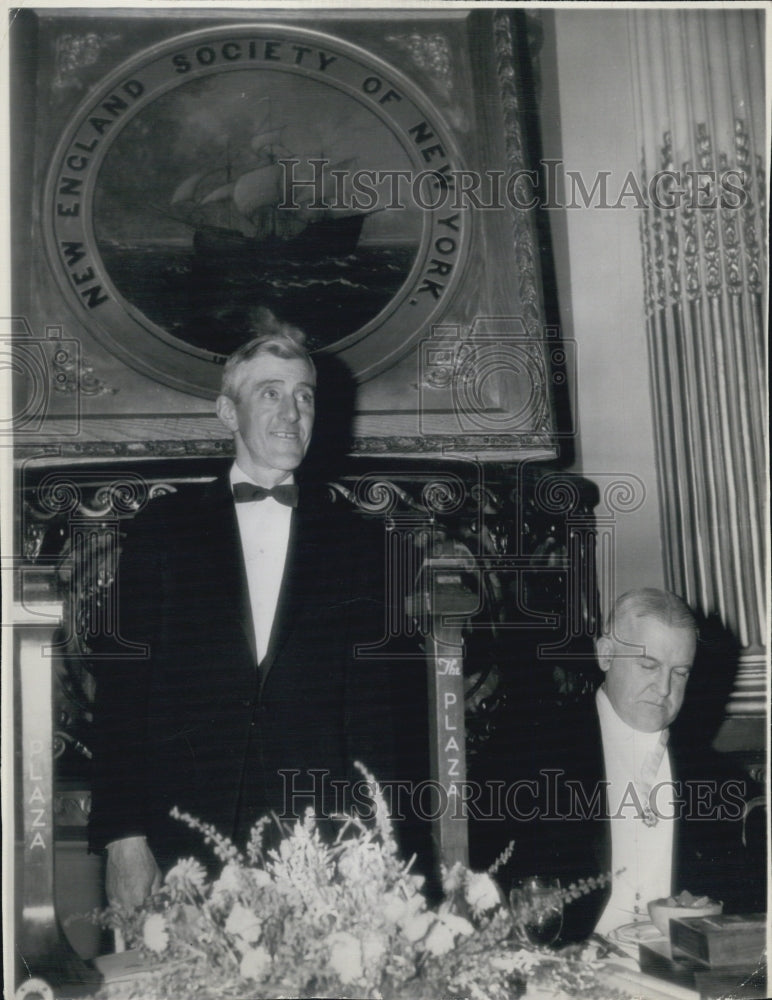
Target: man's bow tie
286 494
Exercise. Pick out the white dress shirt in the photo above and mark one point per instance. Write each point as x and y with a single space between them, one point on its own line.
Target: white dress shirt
264 527
641 855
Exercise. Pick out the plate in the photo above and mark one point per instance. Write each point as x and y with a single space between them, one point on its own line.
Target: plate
636 933
629 936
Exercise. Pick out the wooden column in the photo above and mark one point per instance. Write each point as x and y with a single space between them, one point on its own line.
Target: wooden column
448 600
43 951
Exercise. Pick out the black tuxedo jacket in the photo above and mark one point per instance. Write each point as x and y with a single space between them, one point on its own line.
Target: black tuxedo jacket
195 723
569 833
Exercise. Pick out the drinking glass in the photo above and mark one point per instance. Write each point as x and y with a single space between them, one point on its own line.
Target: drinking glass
537 909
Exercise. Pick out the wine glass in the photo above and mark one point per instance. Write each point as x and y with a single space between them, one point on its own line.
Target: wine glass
536 904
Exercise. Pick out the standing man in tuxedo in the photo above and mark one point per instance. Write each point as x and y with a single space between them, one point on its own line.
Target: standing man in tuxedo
249 597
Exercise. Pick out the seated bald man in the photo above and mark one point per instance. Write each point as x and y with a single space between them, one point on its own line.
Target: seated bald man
646 655
600 787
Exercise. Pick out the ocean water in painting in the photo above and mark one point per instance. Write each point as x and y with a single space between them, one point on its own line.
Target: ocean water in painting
207 300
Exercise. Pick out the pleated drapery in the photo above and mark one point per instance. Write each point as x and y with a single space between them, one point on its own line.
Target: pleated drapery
701 125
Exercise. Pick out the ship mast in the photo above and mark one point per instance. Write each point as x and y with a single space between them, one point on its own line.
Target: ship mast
229 178
272 159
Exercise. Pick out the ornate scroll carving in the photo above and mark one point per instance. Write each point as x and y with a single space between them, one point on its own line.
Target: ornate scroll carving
524 535
74 51
431 53
72 374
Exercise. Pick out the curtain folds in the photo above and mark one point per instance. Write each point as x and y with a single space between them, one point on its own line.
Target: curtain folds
701 126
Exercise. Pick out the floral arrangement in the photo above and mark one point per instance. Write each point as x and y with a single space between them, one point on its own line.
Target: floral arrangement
342 919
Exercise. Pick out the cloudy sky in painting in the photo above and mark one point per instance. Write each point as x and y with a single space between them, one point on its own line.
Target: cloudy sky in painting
203 125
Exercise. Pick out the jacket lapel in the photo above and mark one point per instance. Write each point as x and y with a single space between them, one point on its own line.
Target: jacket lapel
298 581
229 573
679 770
597 769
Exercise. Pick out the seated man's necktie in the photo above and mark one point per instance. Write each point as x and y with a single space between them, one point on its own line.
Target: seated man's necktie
649 771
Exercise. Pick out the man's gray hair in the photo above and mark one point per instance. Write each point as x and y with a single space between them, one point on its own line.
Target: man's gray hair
649 602
270 336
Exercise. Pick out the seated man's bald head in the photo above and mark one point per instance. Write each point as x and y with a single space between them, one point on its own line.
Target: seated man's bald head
646 653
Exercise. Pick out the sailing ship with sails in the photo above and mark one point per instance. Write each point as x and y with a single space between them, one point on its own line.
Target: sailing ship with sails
238 219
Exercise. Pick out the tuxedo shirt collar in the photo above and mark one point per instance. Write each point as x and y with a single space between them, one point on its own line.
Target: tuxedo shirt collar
617 732
237 475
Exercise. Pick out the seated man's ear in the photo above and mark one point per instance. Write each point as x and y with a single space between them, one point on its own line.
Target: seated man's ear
604 649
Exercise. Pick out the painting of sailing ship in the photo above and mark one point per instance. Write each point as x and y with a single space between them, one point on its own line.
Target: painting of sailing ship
192 215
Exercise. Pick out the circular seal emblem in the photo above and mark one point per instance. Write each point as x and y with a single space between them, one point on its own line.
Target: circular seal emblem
34 989
251 166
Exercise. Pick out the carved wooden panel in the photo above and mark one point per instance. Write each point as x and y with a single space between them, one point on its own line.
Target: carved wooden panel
524 535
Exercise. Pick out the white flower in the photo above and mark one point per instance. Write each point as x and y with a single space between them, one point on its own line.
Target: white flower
456 924
439 941
346 957
521 960
154 933
505 963
415 928
230 880
481 892
260 877
444 932
255 964
416 882
373 950
395 908
187 873
244 924
452 878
